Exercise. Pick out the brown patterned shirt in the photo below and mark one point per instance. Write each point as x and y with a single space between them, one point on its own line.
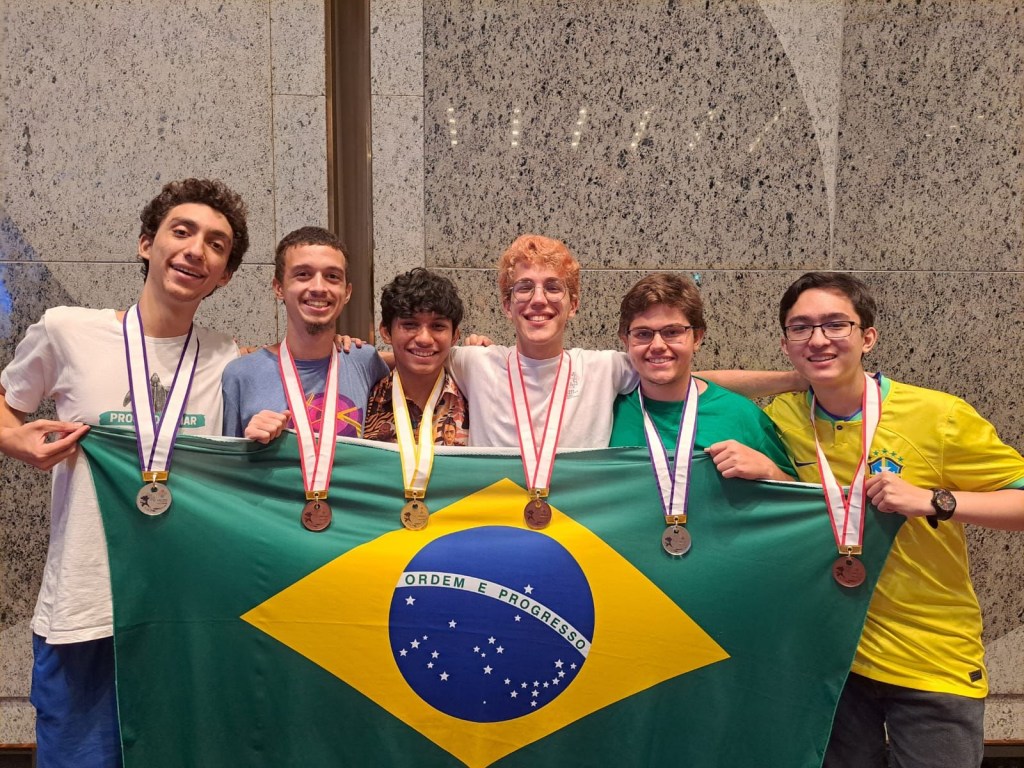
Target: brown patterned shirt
451 414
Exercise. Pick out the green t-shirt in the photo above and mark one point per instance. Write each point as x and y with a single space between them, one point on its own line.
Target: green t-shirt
721 415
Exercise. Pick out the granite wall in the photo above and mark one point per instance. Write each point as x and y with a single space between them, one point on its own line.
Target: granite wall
747 142
102 103
744 142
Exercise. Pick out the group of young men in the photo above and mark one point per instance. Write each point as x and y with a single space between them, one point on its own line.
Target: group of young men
918 683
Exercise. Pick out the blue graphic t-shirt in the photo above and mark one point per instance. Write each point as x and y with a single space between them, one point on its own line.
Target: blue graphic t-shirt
253 383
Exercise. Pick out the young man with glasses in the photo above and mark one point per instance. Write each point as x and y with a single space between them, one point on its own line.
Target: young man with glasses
661 324
539 286
918 677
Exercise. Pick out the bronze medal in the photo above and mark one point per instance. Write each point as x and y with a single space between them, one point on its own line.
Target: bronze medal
676 540
415 515
848 571
316 515
153 499
537 514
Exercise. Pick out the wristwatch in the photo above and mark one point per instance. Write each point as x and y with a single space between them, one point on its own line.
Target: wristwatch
944 504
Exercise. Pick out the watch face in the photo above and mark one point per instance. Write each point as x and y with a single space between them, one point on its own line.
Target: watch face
944 503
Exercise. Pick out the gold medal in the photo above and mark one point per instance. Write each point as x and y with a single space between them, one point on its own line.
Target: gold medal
415 515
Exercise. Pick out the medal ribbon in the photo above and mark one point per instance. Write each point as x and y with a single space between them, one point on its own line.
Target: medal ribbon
316 455
416 450
153 436
847 512
538 460
674 486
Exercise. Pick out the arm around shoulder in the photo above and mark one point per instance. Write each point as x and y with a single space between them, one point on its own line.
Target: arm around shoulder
754 384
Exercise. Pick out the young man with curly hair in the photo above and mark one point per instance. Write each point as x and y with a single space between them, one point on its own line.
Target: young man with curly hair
119 368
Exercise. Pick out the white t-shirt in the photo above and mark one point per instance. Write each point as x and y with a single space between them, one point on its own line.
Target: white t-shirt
76 357
598 376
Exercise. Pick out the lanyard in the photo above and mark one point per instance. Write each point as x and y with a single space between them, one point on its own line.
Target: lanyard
846 512
316 455
416 449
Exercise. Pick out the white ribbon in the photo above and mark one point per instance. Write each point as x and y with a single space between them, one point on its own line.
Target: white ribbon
416 450
674 485
847 512
155 437
316 455
538 460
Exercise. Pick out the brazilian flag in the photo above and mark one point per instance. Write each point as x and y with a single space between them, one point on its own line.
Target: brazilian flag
243 639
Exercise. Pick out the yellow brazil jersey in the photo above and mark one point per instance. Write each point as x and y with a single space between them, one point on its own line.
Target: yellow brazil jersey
923 628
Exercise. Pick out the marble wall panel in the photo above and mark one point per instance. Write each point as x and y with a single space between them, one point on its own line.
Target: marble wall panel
297 47
696 147
104 102
396 48
931 171
397 186
17 721
300 165
100 105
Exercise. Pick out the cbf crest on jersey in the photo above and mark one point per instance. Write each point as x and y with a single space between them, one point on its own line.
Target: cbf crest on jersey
884 460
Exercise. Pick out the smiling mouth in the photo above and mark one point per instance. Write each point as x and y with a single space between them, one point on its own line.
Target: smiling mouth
659 360
187 272
317 303
422 353
821 358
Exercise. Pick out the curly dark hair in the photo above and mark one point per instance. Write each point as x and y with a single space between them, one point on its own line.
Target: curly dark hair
308 236
837 282
420 290
211 192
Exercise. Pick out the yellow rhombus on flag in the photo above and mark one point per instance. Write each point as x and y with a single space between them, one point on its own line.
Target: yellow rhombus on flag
340 617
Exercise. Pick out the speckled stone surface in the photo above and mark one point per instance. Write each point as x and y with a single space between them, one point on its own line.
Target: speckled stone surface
103 104
931 168
396 48
100 105
17 721
695 145
15 660
396 87
397 187
297 45
300 164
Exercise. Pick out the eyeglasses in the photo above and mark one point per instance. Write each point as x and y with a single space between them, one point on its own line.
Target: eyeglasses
524 290
833 329
670 334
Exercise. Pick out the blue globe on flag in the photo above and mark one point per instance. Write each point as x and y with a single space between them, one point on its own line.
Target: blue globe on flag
491 623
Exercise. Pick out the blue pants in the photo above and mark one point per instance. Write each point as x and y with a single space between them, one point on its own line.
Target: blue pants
76 707
925 729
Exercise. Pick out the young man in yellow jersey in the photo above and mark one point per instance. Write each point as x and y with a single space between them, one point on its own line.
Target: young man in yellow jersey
918 677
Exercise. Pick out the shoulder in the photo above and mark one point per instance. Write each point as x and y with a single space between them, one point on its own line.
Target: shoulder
383 388
789 408
254 363
599 356
728 398
216 343
918 406
466 360
59 318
